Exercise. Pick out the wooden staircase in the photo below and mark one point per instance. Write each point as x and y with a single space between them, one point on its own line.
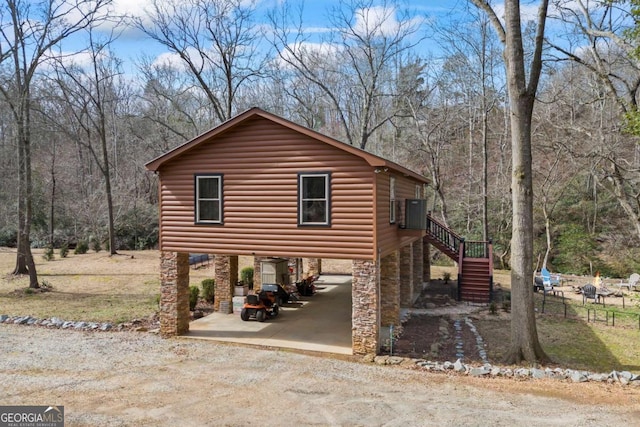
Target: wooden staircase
474 258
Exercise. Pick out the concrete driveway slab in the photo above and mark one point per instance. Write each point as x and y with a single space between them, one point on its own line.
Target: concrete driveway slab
321 322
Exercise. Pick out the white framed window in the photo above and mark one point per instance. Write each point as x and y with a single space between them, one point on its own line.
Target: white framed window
392 199
208 200
418 191
314 198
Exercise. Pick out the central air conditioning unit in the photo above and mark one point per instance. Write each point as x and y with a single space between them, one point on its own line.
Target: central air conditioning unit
415 214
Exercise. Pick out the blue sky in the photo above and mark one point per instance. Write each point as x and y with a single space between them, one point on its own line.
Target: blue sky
132 44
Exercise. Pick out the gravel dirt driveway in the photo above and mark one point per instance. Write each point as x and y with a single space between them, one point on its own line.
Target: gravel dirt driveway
138 379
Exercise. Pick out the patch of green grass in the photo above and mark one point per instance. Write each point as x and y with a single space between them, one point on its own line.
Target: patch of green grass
573 342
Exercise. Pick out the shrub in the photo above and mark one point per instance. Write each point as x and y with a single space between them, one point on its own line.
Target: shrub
209 290
48 254
446 276
493 308
81 248
137 228
8 237
506 303
246 275
95 245
64 250
194 293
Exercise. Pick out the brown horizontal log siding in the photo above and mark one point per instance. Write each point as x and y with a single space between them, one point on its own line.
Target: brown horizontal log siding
260 161
389 236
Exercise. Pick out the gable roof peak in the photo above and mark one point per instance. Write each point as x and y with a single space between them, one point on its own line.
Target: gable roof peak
372 159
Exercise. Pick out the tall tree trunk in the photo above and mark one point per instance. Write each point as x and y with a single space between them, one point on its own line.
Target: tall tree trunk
31 265
52 205
107 184
29 33
24 259
485 130
524 335
52 210
22 240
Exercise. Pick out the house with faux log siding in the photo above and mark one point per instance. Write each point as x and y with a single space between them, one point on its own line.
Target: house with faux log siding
263 186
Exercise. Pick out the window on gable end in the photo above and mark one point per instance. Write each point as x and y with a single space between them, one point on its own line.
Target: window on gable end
208 199
314 199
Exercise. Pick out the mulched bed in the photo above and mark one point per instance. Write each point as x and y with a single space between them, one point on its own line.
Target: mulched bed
434 337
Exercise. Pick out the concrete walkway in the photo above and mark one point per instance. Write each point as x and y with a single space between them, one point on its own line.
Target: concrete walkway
318 323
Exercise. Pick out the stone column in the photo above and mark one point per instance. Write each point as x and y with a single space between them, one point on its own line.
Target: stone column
406 276
226 274
257 272
174 293
426 261
365 296
390 290
418 262
314 266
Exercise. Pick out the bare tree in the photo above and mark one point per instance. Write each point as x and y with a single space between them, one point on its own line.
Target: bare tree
169 108
354 65
600 28
522 90
425 125
214 40
473 63
28 30
89 99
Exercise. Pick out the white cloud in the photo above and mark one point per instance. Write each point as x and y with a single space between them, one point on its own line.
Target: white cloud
131 7
169 60
376 20
311 50
176 62
307 52
82 59
528 12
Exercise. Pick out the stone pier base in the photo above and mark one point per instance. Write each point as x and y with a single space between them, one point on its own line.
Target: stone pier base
174 293
406 276
426 261
314 266
365 323
390 289
226 275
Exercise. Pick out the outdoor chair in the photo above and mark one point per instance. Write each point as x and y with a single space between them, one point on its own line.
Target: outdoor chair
591 292
547 282
551 279
632 283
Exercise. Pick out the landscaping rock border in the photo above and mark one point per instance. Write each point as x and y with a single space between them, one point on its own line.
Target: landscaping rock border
54 322
486 370
489 370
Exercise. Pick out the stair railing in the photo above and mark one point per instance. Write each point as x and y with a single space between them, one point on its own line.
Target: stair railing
476 249
443 234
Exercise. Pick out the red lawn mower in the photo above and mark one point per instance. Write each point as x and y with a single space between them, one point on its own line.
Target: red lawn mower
262 306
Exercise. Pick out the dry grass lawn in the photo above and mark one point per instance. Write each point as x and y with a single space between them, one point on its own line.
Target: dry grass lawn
89 287
102 288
